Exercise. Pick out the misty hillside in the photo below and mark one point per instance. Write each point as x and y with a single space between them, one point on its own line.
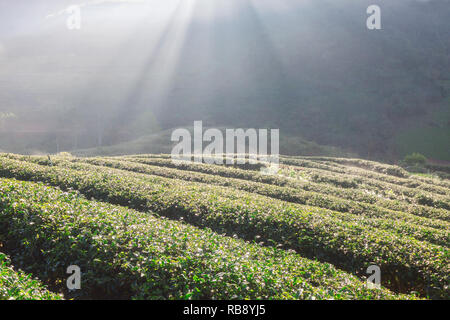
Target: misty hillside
310 68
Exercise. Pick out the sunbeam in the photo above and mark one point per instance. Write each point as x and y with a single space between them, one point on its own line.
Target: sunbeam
237 150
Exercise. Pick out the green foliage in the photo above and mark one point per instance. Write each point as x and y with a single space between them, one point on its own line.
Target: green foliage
345 240
64 155
129 254
286 193
415 159
16 285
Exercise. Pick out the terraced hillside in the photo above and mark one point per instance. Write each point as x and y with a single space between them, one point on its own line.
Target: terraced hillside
144 227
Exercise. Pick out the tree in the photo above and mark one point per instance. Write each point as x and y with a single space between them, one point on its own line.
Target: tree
415 159
4 116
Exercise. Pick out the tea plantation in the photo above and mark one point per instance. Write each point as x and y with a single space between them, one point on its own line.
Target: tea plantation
145 227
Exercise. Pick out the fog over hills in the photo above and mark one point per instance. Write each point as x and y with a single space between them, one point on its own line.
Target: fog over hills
310 68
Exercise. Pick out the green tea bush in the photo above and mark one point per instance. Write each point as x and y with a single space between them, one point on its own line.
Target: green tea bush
407 264
16 285
415 159
125 254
